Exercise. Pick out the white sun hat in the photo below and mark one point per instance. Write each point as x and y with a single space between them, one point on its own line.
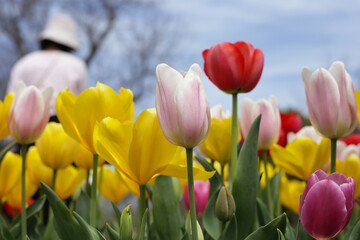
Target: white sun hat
61 29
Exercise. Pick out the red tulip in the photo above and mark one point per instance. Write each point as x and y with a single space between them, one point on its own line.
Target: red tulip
234 67
290 122
352 139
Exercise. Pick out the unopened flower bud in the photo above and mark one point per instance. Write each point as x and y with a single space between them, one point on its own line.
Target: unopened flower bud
225 205
126 230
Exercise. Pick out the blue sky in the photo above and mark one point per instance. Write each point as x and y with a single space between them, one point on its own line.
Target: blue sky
292 34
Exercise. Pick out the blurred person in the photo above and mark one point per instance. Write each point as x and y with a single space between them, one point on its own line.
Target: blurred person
54 64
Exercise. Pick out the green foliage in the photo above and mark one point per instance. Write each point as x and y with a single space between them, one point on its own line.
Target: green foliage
212 224
112 233
126 228
301 233
142 231
230 231
216 181
269 231
166 210
262 212
246 181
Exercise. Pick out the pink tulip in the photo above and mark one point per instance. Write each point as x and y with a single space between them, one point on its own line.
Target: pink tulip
29 113
201 190
326 204
270 124
331 100
182 106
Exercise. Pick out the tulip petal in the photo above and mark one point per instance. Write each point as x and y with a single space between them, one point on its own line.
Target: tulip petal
244 116
323 196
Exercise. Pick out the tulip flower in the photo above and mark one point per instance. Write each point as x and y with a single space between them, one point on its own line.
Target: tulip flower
56 148
217 145
234 67
350 167
84 158
308 132
302 156
290 192
67 181
352 139
326 204
290 123
182 106
13 211
29 113
140 151
37 170
78 116
4 115
201 189
270 120
331 100
112 185
10 172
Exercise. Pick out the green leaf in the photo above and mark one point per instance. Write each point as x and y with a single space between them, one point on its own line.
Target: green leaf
65 223
93 233
30 211
301 233
185 236
262 212
5 150
269 231
280 235
166 210
212 224
143 225
354 232
126 228
290 232
50 233
117 212
83 206
114 235
275 192
246 182
215 181
4 230
230 231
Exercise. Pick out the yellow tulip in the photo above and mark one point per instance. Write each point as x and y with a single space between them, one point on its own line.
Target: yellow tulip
301 157
140 151
67 181
217 145
14 196
4 114
357 98
112 185
290 192
351 168
271 172
84 158
36 169
10 172
79 114
56 148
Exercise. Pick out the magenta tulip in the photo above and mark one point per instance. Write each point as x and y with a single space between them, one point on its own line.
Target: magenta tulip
326 204
331 100
182 106
29 113
270 124
201 190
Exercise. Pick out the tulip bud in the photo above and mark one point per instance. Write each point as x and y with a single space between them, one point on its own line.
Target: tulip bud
189 230
126 230
29 113
182 106
331 100
326 204
225 205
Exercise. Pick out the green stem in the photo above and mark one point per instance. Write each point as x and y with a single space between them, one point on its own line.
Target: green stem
268 190
234 132
54 179
142 206
222 173
333 155
93 192
23 193
189 157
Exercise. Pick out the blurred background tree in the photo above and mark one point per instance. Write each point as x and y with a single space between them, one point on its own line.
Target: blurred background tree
121 41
